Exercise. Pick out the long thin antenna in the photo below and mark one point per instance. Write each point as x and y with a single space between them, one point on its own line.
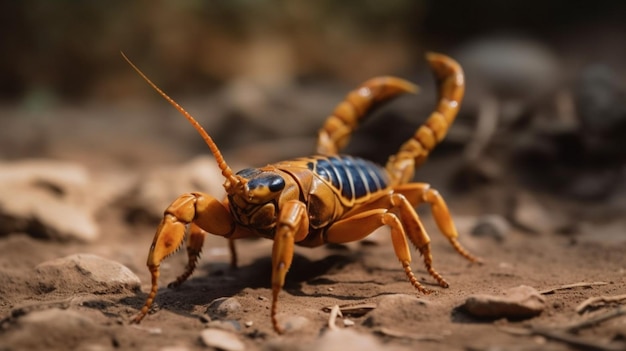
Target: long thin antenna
221 163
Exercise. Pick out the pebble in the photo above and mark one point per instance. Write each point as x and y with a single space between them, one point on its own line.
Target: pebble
86 273
222 340
599 99
516 303
223 307
493 226
47 199
511 66
52 326
294 323
530 215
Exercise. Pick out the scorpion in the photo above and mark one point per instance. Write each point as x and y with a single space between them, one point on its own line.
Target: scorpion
321 199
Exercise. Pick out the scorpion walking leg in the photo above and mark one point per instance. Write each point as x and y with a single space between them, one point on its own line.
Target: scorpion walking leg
206 213
335 132
404 223
292 226
195 241
418 193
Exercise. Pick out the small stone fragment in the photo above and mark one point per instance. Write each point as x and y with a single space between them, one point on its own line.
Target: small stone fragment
222 340
52 326
516 303
529 214
223 307
293 323
86 273
493 226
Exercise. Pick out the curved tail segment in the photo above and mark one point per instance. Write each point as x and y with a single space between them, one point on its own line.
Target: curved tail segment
415 151
335 133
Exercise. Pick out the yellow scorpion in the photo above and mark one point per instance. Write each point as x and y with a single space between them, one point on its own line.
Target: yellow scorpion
326 198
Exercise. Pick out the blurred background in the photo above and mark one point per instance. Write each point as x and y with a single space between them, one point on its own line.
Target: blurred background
545 83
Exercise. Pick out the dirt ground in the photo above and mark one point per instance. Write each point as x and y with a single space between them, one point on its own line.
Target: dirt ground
354 274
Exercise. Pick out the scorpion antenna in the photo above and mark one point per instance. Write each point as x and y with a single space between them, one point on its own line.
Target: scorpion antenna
221 163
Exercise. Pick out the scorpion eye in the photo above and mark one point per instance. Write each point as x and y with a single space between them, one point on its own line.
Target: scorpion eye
266 185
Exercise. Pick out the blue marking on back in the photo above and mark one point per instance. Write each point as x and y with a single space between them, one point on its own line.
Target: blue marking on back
353 177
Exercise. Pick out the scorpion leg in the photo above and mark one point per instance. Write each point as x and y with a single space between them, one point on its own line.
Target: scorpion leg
292 226
418 193
202 210
335 132
396 212
195 241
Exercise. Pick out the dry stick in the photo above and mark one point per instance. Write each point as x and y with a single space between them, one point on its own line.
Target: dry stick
334 312
593 300
578 341
570 286
485 128
564 333
596 319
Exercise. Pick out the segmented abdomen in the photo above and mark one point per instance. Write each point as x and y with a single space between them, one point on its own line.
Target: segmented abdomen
353 177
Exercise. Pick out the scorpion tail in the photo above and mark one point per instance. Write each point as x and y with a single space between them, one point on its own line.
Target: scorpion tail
336 131
412 153
226 171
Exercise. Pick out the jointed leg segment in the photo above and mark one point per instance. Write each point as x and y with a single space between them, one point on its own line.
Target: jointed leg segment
396 212
418 193
202 212
292 226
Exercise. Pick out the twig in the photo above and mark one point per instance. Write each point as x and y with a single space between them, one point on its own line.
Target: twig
564 334
596 319
579 341
485 129
334 312
570 286
605 299
354 309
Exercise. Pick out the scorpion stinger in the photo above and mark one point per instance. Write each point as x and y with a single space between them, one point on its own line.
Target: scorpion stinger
231 178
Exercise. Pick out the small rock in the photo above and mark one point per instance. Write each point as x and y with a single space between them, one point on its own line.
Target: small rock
222 340
599 98
52 326
348 322
529 214
86 273
294 323
248 324
46 199
493 226
516 303
511 66
392 308
228 325
223 307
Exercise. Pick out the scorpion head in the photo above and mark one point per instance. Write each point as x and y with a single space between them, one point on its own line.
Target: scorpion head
257 186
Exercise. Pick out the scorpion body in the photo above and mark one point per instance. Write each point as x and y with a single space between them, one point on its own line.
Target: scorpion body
327 198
